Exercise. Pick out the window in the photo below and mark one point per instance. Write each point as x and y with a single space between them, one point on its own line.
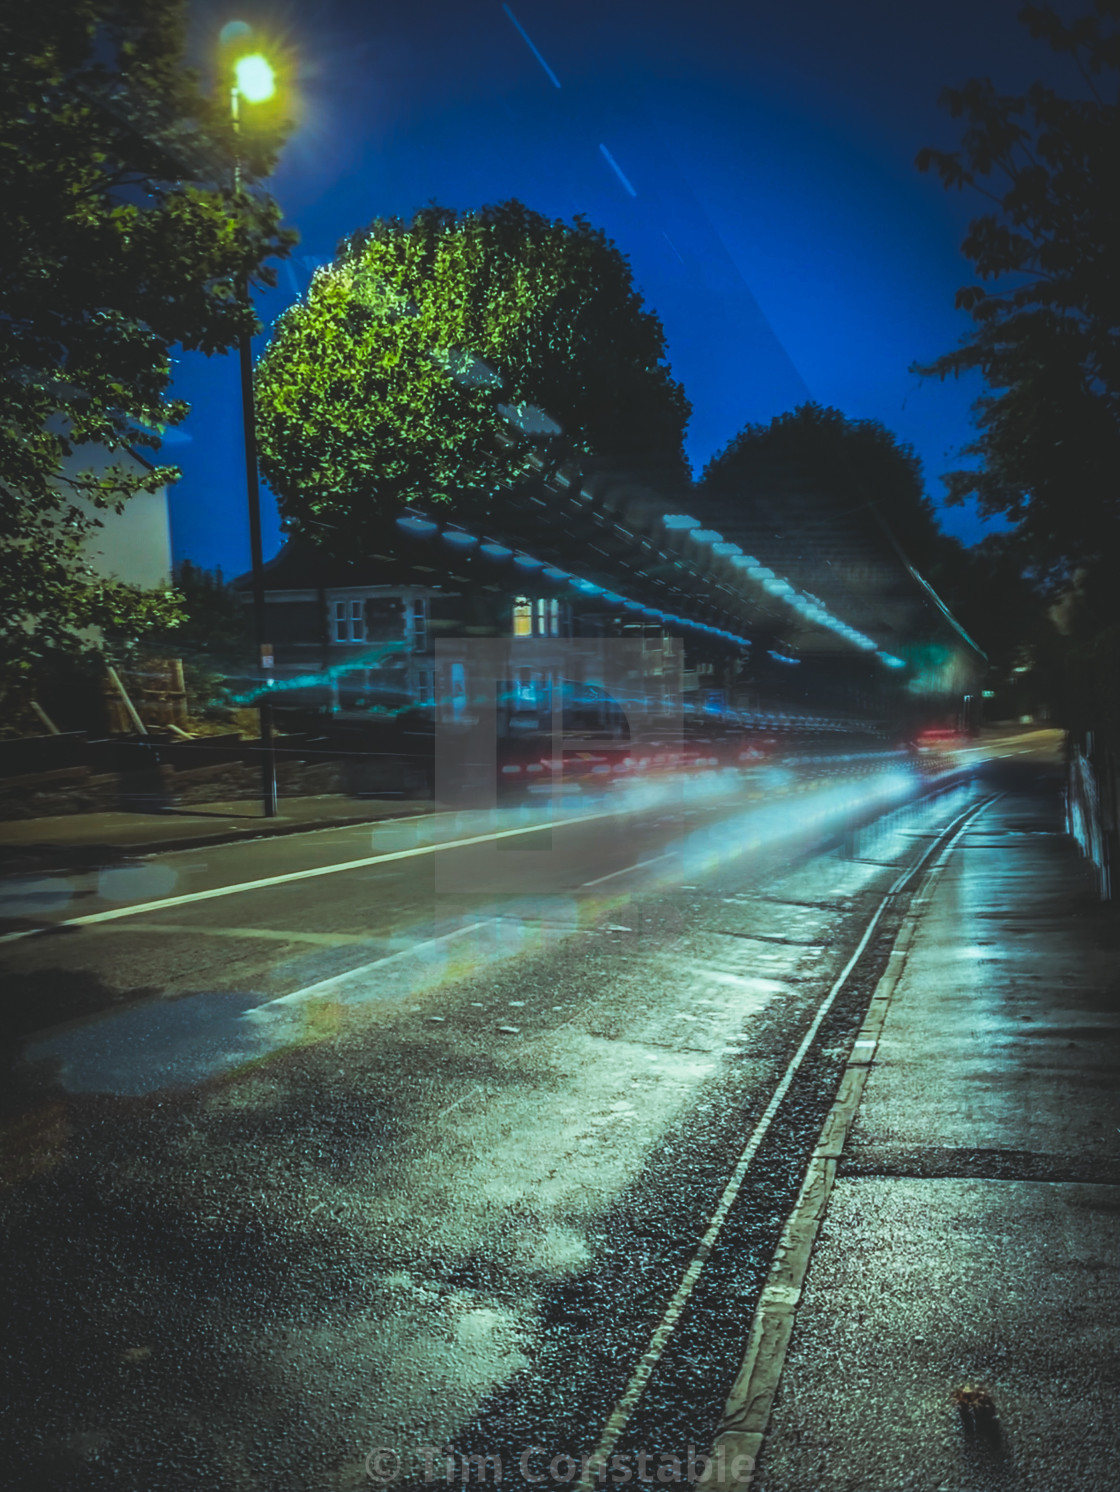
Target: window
350 620
522 617
425 686
418 621
539 618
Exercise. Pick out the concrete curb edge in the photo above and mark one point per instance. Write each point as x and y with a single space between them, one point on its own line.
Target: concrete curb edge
740 1435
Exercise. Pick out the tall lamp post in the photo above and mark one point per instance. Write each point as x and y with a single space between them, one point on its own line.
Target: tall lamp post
255 82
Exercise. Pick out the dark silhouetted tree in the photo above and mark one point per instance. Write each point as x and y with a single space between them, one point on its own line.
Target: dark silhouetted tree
1046 308
214 638
861 458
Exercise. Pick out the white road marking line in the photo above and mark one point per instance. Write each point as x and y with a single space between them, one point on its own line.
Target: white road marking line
329 986
306 875
321 940
620 1416
640 865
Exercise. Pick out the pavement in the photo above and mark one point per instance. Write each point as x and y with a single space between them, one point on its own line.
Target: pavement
62 841
970 1237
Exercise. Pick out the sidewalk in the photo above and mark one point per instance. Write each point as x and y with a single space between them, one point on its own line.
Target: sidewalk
971 1236
68 841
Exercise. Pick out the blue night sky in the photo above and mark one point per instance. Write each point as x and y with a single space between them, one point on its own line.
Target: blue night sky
754 162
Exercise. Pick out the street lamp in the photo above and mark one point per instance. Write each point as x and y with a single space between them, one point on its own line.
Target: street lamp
255 78
254 81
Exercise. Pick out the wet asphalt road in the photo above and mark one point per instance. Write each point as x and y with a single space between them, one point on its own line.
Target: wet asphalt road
293 921
444 1197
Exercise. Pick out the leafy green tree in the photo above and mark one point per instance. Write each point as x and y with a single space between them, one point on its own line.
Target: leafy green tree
122 239
1046 308
861 457
430 358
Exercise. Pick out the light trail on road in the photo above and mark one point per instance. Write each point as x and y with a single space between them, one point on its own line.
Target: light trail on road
772 824
138 1049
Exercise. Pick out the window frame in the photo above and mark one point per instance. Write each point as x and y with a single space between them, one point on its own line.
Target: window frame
348 622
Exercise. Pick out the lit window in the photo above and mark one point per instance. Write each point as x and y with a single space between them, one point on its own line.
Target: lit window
554 618
522 617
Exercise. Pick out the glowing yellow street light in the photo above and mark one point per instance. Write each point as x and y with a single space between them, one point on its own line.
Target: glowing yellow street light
256 78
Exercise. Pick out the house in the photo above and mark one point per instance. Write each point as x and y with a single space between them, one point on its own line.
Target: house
339 631
799 606
349 637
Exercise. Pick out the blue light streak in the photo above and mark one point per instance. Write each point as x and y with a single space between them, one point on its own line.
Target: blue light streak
808 606
617 169
524 35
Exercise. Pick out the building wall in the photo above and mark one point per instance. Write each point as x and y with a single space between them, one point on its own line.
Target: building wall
341 642
134 545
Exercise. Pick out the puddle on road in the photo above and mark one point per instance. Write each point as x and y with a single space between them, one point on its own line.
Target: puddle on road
35 896
172 1043
189 1040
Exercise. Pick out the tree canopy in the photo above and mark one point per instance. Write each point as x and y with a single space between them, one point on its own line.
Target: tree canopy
1046 308
122 239
428 360
863 457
